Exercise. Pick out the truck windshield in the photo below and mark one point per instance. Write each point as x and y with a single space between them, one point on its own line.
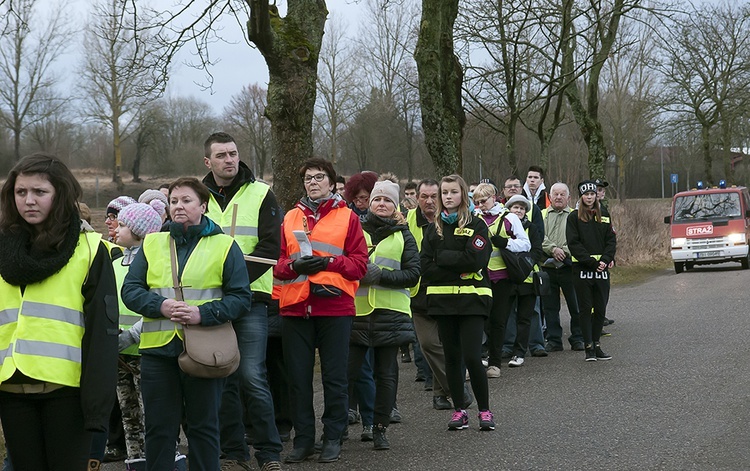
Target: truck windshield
707 206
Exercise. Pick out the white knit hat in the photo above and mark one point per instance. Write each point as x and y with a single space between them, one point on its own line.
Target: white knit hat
387 189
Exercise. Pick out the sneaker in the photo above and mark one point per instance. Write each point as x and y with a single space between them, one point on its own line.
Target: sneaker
441 403
366 435
606 334
578 347
271 466
406 357
379 438
459 420
485 362
539 352
590 353
113 453
551 347
493 372
486 421
608 321
515 362
235 465
395 416
600 355
353 417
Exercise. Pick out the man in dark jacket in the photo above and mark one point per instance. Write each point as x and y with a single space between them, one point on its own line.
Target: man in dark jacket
246 209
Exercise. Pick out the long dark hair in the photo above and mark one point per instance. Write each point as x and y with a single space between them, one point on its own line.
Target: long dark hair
51 232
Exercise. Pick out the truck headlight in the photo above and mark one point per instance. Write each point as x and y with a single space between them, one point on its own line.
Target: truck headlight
736 239
678 242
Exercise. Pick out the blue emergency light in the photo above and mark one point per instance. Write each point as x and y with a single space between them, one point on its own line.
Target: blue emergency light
722 183
700 184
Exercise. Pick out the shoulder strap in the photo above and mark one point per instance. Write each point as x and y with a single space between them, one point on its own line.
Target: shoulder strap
502 221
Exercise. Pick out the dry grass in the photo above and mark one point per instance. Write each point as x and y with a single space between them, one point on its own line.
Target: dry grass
642 236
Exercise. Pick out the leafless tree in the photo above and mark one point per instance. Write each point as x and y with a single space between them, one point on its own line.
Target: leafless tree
337 85
245 114
28 49
707 71
120 71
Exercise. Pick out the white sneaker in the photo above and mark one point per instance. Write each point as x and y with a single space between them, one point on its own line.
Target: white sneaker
493 372
485 362
515 361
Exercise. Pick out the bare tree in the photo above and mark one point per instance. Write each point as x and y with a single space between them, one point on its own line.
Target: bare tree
440 81
245 113
119 71
337 85
28 50
707 71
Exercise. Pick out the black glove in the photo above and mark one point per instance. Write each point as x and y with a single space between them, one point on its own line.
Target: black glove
310 264
499 241
590 264
372 277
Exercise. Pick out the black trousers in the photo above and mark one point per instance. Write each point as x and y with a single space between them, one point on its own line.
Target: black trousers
592 291
385 373
45 431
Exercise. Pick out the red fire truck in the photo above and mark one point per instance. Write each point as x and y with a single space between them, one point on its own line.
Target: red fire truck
710 225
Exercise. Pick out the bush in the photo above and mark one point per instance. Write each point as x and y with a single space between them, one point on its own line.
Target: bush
642 236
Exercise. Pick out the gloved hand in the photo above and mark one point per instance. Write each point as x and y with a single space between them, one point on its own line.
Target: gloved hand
310 264
590 263
372 277
499 241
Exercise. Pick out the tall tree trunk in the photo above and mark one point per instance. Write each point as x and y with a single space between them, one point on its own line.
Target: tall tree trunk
291 47
440 79
706 147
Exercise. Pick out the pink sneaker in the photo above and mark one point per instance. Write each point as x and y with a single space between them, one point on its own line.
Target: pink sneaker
486 420
459 420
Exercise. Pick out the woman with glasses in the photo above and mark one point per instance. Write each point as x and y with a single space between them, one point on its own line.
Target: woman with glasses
113 209
357 191
323 257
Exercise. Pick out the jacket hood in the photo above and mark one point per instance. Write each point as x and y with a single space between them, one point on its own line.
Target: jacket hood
244 175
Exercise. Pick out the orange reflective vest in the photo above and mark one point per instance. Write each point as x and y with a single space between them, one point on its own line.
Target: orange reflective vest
327 238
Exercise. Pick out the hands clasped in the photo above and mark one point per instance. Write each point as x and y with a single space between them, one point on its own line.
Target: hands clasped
180 311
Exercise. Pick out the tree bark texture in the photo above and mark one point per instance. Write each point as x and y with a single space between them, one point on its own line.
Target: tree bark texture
291 47
440 79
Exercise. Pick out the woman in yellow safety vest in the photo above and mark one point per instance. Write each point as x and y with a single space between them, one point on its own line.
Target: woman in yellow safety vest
216 289
383 318
454 257
592 243
58 320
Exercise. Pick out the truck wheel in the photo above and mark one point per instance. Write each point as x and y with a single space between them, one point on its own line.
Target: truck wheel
679 267
745 262
688 266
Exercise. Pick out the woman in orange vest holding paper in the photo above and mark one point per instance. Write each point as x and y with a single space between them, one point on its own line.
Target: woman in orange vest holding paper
323 257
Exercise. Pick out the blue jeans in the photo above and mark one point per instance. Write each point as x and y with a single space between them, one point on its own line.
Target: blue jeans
536 335
362 392
561 279
252 336
167 391
331 336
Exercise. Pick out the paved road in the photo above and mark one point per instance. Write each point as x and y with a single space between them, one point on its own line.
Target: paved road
675 396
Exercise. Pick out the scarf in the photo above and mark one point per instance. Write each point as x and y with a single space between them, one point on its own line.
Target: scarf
21 264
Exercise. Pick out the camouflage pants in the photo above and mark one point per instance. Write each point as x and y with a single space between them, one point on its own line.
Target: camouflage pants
131 404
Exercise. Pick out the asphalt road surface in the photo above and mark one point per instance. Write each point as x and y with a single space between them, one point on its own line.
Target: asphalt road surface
674 397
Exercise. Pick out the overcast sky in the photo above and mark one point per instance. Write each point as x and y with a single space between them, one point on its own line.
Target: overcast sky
238 63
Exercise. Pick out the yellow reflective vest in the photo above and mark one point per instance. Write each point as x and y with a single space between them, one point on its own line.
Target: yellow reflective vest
127 317
41 330
248 199
416 231
496 259
387 255
201 280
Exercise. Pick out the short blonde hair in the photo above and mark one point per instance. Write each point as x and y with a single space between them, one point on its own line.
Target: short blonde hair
484 190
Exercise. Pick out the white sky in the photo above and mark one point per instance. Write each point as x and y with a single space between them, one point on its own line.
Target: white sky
238 63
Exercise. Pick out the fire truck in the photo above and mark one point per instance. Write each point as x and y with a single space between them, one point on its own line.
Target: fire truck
709 225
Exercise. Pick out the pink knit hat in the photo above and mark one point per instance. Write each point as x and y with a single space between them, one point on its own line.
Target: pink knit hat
116 205
140 218
149 196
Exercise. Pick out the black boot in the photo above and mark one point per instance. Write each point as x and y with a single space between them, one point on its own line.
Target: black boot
380 442
600 355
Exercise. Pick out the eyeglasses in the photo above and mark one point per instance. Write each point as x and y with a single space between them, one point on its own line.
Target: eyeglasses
480 202
361 198
110 217
319 177
510 187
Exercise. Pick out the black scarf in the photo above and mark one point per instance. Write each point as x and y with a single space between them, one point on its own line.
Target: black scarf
21 264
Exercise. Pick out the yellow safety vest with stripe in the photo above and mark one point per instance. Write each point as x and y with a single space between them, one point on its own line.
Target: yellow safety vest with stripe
605 220
201 280
387 255
416 231
41 330
496 259
248 199
127 317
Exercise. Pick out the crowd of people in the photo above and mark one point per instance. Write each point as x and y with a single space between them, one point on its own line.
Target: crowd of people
93 329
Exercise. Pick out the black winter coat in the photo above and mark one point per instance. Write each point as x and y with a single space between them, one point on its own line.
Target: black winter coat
445 259
384 327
